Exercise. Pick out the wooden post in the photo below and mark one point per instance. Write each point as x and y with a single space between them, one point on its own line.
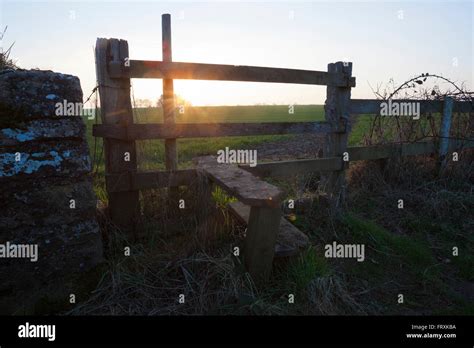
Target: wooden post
337 114
203 194
259 245
171 154
444 132
116 109
171 158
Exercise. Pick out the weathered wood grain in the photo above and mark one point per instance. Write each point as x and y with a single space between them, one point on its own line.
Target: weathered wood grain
260 240
240 183
116 109
264 216
130 181
372 106
290 240
297 167
336 110
360 153
171 151
198 130
199 71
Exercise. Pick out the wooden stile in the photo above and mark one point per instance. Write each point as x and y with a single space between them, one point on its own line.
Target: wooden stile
262 212
264 200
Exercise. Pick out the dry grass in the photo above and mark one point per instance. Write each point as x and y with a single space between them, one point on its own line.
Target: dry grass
186 253
178 253
5 61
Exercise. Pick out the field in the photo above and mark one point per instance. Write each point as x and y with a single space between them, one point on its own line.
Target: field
409 252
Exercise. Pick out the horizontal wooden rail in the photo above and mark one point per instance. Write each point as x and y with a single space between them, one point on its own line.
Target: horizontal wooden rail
198 130
199 71
285 168
372 106
130 181
359 153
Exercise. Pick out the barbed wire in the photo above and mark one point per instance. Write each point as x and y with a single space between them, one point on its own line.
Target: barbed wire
95 161
92 93
405 131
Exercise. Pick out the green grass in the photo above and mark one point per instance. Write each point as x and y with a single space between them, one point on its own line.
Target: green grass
241 113
305 268
408 250
412 262
465 264
395 264
419 264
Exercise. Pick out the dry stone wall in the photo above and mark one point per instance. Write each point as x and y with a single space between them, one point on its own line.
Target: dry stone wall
46 197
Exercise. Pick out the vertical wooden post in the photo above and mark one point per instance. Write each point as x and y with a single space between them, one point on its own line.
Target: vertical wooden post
171 154
171 158
262 231
203 192
116 109
337 114
444 132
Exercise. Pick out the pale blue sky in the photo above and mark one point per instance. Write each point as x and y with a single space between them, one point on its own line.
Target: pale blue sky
60 35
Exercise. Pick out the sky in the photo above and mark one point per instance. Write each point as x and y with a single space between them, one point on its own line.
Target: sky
383 39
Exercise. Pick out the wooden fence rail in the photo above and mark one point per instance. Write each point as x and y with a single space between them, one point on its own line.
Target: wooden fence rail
220 72
358 153
130 181
372 106
199 130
